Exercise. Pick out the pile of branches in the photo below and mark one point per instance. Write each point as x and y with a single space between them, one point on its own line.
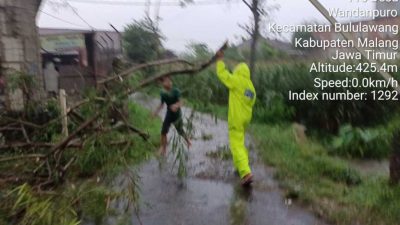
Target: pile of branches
26 140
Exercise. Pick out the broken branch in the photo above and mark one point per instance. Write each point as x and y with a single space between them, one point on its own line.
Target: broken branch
192 71
21 157
142 66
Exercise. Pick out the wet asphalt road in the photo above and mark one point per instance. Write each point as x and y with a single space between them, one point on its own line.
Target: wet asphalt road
211 194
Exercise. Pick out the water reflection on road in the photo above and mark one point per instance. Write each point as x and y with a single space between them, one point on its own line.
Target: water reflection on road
211 193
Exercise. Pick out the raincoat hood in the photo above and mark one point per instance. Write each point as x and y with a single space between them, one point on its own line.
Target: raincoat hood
242 94
242 70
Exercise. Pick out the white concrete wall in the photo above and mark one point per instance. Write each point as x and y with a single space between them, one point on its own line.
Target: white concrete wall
19 43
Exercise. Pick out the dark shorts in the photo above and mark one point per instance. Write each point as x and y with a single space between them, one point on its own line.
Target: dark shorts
174 119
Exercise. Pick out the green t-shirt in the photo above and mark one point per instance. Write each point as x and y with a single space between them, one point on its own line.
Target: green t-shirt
169 98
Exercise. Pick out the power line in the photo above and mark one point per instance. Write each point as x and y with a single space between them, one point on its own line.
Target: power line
60 19
79 16
142 3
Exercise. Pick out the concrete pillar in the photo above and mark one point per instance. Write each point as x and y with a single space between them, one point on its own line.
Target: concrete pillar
19 44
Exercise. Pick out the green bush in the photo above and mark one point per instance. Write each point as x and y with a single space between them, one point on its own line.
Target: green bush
94 203
98 153
364 143
273 109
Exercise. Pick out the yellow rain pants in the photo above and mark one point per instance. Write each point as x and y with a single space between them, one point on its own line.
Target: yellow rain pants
242 97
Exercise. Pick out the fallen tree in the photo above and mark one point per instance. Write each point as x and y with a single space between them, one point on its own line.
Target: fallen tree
33 148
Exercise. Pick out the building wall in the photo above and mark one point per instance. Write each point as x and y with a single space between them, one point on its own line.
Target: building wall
108 46
19 43
96 55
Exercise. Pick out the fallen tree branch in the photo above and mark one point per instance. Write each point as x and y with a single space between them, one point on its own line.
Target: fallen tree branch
35 145
22 157
26 145
192 71
130 127
26 123
9 127
142 66
65 142
104 107
152 79
83 102
25 133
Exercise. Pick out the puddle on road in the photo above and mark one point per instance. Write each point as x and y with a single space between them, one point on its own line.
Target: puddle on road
211 193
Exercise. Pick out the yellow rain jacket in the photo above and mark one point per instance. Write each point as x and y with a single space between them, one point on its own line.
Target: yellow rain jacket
242 97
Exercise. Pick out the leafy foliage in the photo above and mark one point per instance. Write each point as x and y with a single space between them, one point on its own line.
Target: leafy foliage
179 149
142 40
102 157
41 210
365 143
198 51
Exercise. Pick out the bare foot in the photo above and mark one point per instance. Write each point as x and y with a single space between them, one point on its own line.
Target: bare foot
162 151
189 143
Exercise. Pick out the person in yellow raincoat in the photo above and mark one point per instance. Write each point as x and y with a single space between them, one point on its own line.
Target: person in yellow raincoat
242 97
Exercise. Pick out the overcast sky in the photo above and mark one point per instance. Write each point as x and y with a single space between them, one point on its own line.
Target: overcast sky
208 23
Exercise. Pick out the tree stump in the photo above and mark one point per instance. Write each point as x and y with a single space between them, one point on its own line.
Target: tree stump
395 159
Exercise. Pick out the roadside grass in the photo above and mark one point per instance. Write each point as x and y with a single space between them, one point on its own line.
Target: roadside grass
325 183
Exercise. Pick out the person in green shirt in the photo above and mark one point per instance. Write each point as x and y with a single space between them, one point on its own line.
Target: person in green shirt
171 97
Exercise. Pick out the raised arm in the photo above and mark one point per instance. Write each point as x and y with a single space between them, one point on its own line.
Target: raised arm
224 75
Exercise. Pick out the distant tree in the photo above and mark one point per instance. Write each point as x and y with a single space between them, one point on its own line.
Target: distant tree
142 41
234 54
198 51
260 10
266 52
168 54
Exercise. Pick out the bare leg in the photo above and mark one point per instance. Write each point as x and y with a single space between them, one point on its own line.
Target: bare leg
179 127
163 147
188 141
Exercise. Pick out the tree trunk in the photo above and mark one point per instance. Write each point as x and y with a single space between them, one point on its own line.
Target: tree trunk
38 2
255 34
395 159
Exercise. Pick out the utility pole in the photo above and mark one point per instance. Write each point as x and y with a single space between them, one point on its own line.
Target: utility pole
19 46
